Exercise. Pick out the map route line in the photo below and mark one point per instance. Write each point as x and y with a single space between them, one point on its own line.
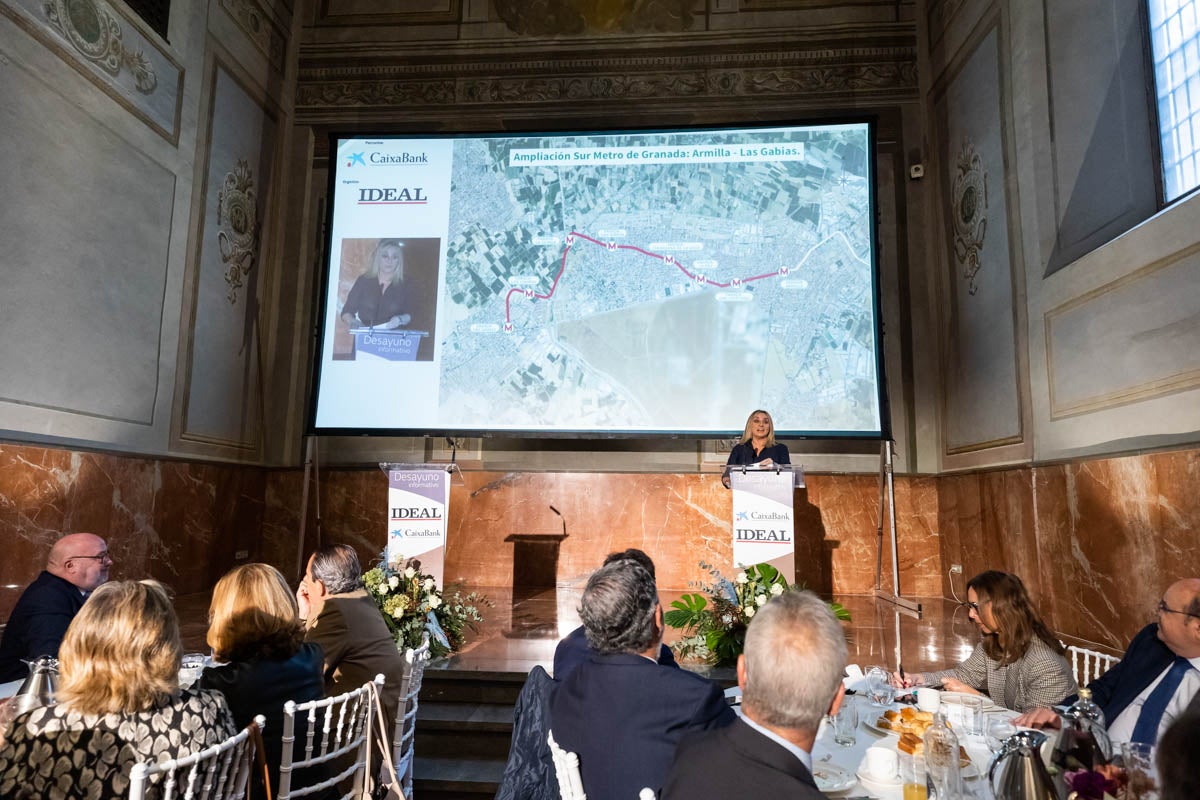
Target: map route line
669 259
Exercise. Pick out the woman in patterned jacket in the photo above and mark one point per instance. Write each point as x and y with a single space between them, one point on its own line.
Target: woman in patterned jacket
119 702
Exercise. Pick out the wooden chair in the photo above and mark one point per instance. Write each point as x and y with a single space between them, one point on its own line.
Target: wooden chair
1087 665
343 726
406 715
566 767
218 773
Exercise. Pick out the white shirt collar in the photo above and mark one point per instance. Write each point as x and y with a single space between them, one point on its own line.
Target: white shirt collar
795 749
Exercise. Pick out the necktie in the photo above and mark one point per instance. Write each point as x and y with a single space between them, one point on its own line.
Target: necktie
1146 729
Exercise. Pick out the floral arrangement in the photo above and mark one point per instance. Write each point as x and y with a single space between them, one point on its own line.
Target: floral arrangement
1105 783
412 604
715 627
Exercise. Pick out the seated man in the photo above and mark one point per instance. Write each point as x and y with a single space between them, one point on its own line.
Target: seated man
77 564
621 711
573 650
342 618
791 676
1157 677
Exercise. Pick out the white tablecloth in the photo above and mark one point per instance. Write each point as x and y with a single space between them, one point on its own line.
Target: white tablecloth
850 757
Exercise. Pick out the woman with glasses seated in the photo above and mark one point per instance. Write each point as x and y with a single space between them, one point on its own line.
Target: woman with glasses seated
119 702
1019 663
254 627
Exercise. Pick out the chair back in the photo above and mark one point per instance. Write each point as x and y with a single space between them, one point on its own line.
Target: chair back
334 732
1088 665
406 714
218 773
566 768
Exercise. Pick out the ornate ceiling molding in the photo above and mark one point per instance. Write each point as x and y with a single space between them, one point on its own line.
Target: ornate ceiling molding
815 73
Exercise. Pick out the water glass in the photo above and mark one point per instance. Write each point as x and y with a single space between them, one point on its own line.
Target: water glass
972 715
845 724
1140 770
998 730
879 687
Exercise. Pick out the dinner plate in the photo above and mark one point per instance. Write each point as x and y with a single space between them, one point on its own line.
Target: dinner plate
831 777
957 698
870 721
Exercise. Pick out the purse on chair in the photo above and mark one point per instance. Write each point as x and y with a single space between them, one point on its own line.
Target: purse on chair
392 790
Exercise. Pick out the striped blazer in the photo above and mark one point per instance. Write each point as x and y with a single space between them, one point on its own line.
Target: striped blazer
1041 677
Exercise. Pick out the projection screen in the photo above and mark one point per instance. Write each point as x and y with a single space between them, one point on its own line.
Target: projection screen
632 283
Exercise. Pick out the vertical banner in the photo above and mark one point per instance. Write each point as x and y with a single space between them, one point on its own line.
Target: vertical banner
418 501
763 520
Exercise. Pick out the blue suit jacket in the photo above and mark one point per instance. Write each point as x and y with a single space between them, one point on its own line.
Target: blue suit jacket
1145 658
623 715
573 650
38 623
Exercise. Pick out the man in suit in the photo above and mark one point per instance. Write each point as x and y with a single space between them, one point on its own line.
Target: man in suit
342 618
791 677
621 712
77 564
1156 679
573 650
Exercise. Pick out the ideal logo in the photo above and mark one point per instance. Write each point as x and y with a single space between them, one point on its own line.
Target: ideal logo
416 513
761 535
410 196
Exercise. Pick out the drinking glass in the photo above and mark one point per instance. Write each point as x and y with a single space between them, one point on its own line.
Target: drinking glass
913 775
190 667
998 730
1140 769
845 724
879 687
972 715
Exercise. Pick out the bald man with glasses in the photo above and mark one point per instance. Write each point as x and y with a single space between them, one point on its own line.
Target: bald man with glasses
77 564
1156 679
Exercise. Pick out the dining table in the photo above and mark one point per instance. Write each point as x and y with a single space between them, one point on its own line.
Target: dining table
836 765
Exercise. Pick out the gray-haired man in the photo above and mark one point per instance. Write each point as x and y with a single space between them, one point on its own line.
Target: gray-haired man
791 676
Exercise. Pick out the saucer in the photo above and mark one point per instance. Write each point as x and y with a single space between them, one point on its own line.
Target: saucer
876 785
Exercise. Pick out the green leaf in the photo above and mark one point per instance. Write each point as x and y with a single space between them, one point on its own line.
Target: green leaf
689 611
840 611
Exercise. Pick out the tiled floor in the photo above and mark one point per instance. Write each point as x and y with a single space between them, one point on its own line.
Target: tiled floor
522 630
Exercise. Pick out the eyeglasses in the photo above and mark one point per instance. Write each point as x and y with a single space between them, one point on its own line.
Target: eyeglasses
101 558
1162 609
975 606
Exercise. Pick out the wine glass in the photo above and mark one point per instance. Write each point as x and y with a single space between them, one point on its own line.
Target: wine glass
879 687
997 731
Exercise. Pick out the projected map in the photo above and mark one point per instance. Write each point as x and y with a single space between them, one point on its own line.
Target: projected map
661 282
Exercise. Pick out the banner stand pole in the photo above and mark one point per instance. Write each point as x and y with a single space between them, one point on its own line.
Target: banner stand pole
887 496
310 460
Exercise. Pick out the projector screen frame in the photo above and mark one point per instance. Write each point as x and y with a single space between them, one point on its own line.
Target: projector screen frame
323 286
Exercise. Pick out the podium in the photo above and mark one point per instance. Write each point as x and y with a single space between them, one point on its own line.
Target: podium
764 520
381 345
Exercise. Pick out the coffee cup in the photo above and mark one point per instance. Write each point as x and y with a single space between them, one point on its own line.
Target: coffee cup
928 699
881 764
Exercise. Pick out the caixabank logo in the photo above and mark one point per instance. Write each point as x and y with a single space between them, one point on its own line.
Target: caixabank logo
377 158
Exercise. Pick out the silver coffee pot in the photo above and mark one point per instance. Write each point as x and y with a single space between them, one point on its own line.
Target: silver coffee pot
1022 775
39 686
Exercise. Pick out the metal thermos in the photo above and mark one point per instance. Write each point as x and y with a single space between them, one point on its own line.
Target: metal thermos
1022 775
39 686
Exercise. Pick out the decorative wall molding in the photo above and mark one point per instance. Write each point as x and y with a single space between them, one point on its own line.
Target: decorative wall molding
573 17
258 24
968 211
939 15
1144 326
111 49
237 217
821 76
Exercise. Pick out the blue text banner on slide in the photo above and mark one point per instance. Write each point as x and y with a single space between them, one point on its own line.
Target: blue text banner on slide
630 283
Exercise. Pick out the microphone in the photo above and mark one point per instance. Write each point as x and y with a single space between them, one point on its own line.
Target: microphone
561 517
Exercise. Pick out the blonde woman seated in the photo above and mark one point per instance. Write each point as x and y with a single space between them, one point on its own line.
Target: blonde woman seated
119 702
1018 663
254 626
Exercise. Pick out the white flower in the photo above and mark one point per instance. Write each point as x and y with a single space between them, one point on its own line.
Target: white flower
749 611
428 584
381 589
409 572
742 578
434 601
761 600
393 581
777 590
398 613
